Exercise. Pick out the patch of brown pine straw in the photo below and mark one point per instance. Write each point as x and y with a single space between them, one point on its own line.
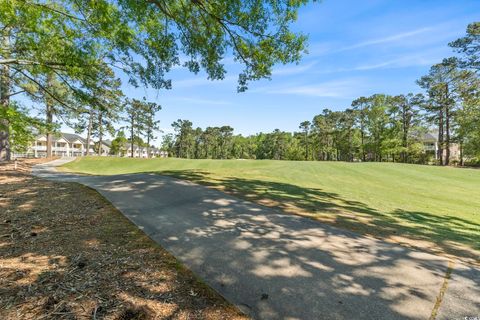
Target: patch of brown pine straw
67 253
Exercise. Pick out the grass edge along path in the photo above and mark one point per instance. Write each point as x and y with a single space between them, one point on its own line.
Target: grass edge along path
432 208
66 252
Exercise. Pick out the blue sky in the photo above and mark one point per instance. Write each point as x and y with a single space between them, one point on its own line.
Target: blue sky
356 48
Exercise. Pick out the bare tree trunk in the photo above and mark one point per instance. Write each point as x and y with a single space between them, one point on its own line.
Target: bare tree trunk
306 145
89 131
440 138
447 136
49 121
405 135
350 153
131 135
49 116
362 134
5 84
100 133
461 152
148 145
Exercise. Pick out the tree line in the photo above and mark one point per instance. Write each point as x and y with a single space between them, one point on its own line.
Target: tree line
377 128
65 56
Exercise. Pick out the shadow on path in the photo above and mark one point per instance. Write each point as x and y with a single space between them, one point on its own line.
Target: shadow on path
85 260
452 235
278 266
281 266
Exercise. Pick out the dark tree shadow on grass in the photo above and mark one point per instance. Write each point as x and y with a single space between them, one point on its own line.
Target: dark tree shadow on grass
282 266
451 234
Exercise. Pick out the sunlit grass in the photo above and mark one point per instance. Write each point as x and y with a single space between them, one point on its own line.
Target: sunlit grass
439 204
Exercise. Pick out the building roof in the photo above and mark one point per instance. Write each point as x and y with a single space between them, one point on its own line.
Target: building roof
127 146
71 137
430 136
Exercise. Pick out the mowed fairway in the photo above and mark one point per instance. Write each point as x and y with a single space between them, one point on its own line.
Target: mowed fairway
424 206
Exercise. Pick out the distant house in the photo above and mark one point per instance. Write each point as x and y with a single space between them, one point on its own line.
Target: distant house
73 145
105 147
431 145
142 152
63 145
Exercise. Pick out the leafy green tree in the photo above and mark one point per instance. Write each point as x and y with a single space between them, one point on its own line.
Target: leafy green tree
305 127
105 98
469 47
467 117
198 143
440 86
226 133
73 39
21 126
208 140
347 142
405 117
184 138
42 41
320 132
135 111
151 125
361 106
243 147
377 121
168 144
118 144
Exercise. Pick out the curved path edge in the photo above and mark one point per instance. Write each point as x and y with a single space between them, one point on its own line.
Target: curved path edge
279 266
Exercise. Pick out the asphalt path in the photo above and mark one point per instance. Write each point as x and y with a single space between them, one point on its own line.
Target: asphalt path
280 266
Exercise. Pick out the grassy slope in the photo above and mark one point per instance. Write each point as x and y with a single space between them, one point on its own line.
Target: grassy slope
385 199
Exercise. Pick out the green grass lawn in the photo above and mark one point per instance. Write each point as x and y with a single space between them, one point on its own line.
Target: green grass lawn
399 202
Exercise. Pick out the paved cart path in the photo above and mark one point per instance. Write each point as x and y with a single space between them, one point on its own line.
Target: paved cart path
280 266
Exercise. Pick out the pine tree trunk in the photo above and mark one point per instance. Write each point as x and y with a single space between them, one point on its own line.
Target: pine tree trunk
440 138
148 145
131 135
100 133
49 116
89 131
447 136
306 146
404 136
49 122
5 84
461 153
363 144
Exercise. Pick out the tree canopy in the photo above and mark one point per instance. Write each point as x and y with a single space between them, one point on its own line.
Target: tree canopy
78 42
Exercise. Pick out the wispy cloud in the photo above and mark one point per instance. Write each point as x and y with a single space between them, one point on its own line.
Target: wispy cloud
301 68
203 101
388 39
200 81
418 36
317 49
403 62
388 61
345 88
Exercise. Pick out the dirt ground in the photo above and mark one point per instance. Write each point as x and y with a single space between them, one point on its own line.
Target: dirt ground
67 253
